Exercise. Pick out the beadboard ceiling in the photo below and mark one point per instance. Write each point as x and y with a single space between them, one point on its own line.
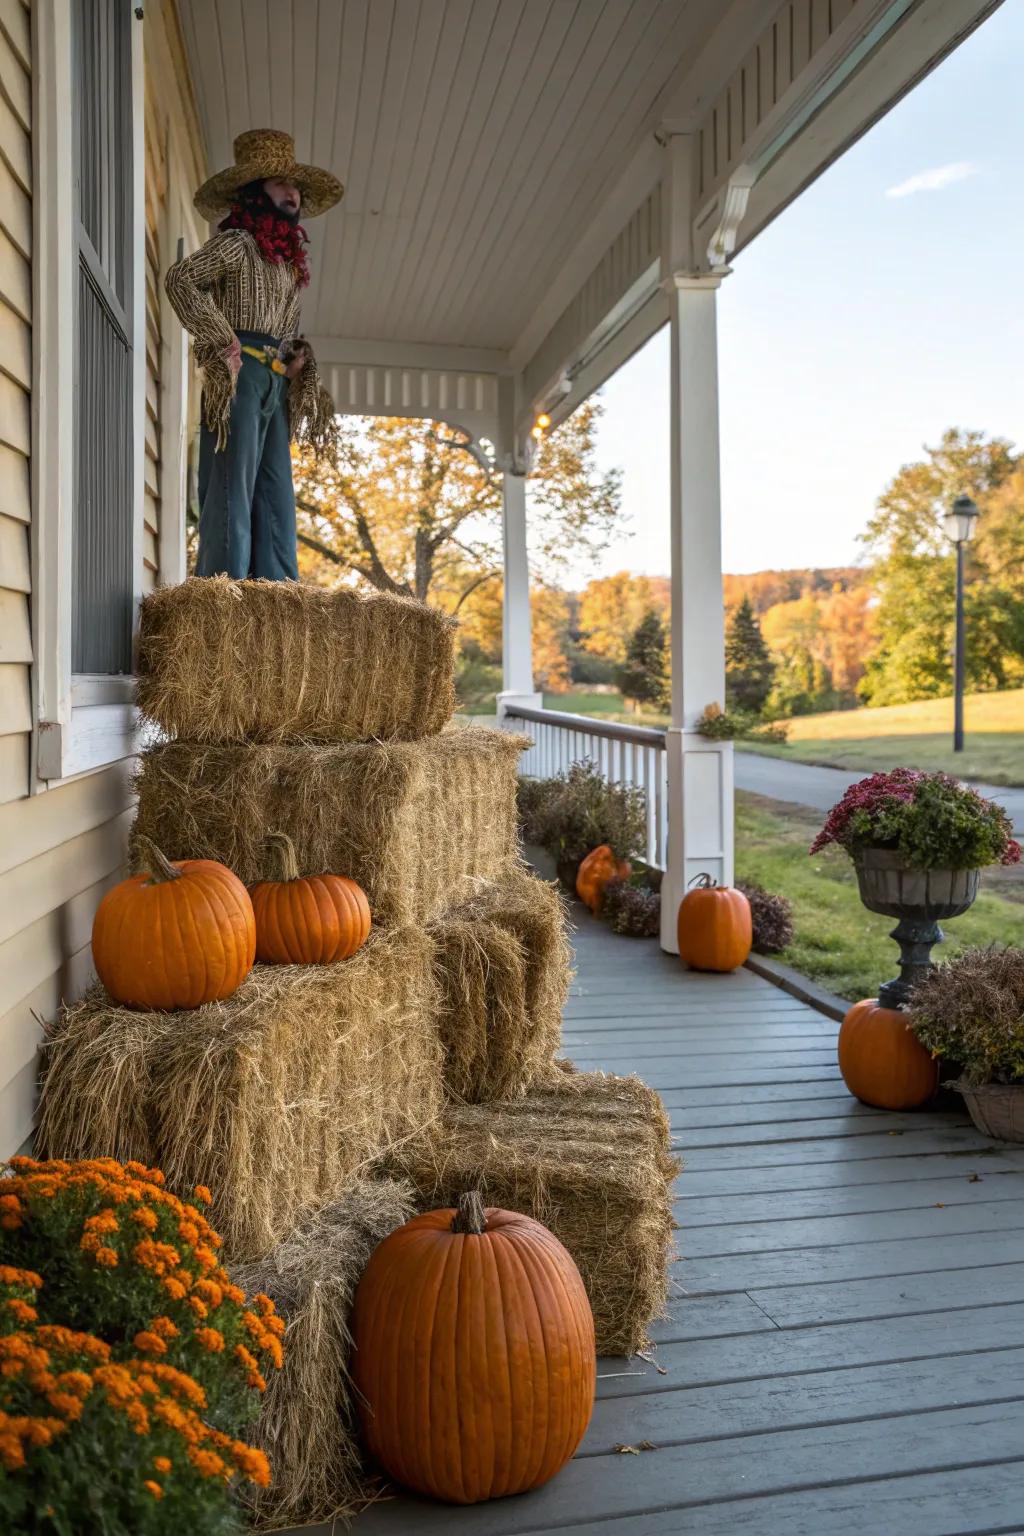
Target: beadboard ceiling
475 139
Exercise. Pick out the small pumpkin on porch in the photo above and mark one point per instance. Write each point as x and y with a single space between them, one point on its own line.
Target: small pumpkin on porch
307 920
175 936
474 1353
715 931
596 872
882 1061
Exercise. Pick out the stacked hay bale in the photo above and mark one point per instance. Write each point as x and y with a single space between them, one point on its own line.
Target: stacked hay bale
427 1058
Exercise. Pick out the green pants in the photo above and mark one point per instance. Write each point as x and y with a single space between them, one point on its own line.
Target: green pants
246 497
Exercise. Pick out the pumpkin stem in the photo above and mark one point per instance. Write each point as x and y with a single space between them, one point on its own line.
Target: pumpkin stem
155 864
287 863
703 882
470 1216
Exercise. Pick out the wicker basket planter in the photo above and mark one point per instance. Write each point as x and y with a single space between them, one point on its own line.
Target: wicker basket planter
919 898
997 1109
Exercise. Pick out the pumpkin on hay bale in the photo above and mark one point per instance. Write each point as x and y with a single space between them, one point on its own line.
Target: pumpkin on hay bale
174 936
272 1098
416 824
586 1154
503 967
311 920
308 1423
493 1359
223 660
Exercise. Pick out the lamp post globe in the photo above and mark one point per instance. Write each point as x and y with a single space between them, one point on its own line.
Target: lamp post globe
959 523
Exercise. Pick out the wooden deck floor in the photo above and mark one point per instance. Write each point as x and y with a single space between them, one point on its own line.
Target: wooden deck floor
845 1350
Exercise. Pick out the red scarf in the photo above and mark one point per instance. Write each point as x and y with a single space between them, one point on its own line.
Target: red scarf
278 239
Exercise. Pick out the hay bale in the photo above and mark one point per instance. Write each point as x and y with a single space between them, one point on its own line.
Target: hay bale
418 824
274 1098
308 1425
223 660
503 965
588 1155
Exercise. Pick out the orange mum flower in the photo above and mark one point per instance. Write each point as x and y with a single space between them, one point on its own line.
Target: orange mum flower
107 1257
23 1313
210 1339
202 1193
145 1218
174 1288
199 1307
10 1221
25 1277
162 1463
154 1488
106 1221
164 1328
208 1463
150 1343
252 1463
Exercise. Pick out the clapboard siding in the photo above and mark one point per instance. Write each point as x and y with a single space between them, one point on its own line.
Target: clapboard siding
63 847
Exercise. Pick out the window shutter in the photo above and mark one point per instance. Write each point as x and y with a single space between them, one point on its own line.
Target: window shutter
103 559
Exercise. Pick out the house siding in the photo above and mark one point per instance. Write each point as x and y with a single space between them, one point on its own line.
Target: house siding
61 848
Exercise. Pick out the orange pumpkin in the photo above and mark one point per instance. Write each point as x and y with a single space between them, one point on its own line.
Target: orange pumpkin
175 936
312 920
714 928
474 1354
882 1061
597 869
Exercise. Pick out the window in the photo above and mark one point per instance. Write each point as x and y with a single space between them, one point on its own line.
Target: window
88 378
102 523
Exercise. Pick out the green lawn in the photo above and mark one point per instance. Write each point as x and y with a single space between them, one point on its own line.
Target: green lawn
837 942
915 736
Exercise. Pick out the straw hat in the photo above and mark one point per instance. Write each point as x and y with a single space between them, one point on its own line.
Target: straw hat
265 154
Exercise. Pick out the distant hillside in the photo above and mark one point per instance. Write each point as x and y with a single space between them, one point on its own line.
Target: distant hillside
766 588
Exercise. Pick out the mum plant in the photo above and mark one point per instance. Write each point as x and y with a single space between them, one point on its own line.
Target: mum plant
129 1361
930 819
577 811
971 1011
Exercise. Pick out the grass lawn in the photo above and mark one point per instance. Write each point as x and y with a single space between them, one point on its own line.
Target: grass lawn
607 706
914 736
837 941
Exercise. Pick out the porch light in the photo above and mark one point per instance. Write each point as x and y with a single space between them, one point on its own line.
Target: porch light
543 421
537 431
959 521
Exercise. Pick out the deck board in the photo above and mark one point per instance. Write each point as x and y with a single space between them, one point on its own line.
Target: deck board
844 1345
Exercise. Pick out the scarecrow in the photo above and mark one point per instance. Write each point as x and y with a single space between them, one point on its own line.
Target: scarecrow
238 297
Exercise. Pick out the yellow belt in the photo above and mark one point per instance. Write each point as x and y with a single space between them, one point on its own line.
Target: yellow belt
263 356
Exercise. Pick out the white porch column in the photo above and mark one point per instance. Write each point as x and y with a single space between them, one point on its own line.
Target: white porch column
700 772
517 638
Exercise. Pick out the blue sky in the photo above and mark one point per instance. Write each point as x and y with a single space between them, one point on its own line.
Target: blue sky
882 306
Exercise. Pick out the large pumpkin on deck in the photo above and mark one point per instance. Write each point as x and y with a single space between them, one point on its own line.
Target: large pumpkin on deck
596 872
311 920
175 936
715 931
474 1354
882 1061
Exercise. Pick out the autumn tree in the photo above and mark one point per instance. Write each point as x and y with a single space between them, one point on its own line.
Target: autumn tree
611 607
748 664
643 676
413 507
914 572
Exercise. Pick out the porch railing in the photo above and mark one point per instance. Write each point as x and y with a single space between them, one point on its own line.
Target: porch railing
625 754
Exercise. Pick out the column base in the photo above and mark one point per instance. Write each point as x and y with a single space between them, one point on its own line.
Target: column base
511 696
700 821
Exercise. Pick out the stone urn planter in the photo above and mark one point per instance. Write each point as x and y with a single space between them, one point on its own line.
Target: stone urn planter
919 899
997 1109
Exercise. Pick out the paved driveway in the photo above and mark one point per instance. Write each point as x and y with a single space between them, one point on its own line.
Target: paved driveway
820 788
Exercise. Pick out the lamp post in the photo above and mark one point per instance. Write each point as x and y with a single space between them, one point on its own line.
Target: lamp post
959 524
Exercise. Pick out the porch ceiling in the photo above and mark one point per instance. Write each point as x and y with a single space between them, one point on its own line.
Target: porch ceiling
476 139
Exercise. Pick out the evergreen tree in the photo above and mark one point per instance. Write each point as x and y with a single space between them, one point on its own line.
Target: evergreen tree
749 668
643 677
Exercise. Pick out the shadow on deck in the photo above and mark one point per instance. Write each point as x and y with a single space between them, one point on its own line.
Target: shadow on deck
845 1348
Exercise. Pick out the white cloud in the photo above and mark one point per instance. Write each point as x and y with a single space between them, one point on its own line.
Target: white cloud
935 179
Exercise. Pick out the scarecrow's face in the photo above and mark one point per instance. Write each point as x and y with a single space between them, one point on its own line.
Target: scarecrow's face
285 195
